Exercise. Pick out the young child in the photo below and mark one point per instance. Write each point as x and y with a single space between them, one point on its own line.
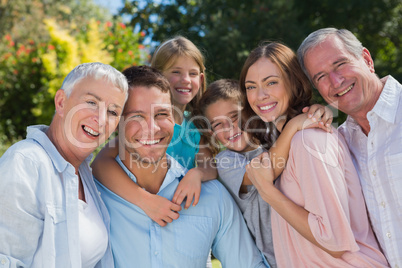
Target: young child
183 64
219 111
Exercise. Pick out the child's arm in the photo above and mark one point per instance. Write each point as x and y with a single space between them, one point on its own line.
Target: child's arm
109 173
318 117
190 185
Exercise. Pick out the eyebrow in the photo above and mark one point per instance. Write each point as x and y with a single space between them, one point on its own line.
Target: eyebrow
264 79
157 110
99 99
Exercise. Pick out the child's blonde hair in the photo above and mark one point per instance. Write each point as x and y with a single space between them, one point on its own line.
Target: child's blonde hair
167 54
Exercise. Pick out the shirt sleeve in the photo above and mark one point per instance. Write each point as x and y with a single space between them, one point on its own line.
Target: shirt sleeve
233 245
20 221
317 164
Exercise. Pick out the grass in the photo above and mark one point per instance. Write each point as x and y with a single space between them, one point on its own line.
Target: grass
216 264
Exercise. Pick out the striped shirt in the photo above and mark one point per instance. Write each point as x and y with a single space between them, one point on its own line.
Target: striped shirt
378 160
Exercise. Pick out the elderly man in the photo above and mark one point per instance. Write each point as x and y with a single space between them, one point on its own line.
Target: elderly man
343 72
215 222
51 212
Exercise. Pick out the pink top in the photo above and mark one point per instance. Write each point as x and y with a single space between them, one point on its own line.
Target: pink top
320 176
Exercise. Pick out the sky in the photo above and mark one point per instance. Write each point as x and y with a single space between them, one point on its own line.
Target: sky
112 5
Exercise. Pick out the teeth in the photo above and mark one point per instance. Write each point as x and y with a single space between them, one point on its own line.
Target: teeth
91 131
183 90
235 136
345 91
267 107
149 142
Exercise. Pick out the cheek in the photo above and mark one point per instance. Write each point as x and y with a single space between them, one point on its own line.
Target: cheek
196 82
250 97
172 79
131 128
220 137
166 125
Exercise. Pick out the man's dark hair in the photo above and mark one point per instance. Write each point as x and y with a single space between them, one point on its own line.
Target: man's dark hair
146 76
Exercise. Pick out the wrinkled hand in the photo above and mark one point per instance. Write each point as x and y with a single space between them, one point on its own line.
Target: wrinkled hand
260 172
189 188
320 114
161 210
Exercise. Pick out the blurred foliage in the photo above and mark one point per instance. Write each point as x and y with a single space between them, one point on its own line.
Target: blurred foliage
41 42
227 30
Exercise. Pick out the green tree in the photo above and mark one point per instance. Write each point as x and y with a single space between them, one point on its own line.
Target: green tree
32 71
228 29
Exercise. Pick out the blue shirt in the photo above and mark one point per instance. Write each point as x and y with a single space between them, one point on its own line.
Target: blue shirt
216 222
185 142
39 205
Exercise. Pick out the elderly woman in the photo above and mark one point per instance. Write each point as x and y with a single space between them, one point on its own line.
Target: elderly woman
51 212
319 217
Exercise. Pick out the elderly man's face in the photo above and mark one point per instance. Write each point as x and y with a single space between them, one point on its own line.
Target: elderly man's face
342 79
91 113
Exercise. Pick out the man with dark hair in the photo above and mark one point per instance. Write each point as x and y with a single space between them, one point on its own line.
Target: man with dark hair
215 222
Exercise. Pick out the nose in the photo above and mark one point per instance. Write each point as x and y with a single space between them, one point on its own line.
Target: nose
151 128
336 79
101 116
186 77
262 93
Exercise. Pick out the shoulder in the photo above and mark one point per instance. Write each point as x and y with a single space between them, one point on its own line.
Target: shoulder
214 188
214 191
318 144
316 138
25 150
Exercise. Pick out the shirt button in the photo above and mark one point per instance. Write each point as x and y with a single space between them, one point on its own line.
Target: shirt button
3 261
389 235
383 204
156 253
374 173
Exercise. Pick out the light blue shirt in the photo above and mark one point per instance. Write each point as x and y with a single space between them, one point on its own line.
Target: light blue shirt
216 222
39 205
185 142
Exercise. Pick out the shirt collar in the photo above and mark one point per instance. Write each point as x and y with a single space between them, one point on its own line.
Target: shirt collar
175 171
38 134
387 104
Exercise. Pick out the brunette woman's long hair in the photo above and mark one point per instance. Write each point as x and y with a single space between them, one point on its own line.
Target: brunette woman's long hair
297 84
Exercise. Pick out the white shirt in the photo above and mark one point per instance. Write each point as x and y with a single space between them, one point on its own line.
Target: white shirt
378 160
93 233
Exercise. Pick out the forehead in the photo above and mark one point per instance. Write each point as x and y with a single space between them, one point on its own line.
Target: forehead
100 88
325 53
145 98
184 61
261 69
222 108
